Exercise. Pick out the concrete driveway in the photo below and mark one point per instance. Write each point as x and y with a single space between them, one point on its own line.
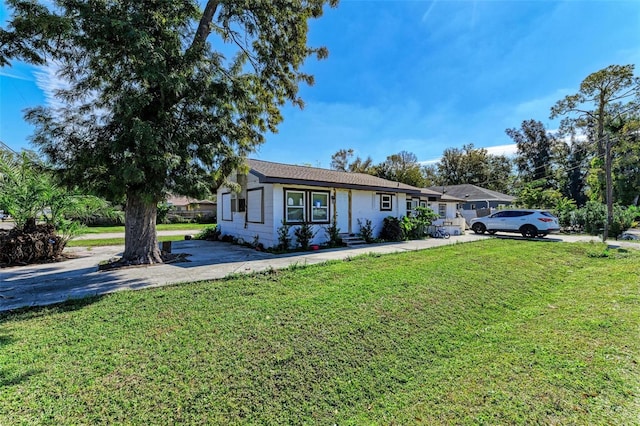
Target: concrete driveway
78 277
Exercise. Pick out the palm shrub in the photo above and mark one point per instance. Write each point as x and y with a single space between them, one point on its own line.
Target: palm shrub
29 192
366 230
304 234
284 238
333 234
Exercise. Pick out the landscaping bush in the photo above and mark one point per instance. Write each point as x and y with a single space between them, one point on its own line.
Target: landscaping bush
210 233
593 216
366 230
392 229
284 239
333 234
304 234
38 243
205 219
415 227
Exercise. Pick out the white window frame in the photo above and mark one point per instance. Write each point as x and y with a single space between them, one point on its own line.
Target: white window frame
251 209
442 210
227 209
289 204
322 207
386 199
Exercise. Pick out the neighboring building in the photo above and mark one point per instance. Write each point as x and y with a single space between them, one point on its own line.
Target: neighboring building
273 192
474 200
190 208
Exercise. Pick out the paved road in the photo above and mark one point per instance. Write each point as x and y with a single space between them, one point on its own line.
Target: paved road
39 285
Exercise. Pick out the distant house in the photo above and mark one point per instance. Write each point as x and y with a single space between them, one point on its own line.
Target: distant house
190 208
474 200
274 192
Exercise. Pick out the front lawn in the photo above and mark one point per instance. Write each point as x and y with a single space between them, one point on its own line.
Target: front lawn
494 332
159 227
99 242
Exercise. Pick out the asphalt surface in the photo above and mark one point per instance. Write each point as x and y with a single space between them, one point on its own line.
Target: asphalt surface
79 277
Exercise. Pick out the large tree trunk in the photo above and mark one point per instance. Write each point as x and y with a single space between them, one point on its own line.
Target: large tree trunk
140 240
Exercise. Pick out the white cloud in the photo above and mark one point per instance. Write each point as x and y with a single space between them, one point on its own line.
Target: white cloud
6 74
50 82
508 150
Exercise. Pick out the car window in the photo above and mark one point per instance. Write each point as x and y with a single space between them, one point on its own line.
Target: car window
522 213
499 214
547 214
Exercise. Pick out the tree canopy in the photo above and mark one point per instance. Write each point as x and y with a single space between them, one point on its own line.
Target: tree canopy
605 96
401 167
535 151
162 96
474 166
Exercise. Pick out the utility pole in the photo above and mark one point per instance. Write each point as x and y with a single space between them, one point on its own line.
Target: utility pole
609 189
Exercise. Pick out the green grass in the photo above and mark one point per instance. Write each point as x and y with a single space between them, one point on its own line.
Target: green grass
495 332
98 242
160 227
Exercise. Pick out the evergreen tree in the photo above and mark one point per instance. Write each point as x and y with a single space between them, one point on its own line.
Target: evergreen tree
164 96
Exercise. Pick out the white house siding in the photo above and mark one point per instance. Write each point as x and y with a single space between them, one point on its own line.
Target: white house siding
366 205
240 227
278 213
452 224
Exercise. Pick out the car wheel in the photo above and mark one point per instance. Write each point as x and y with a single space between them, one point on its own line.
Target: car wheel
478 228
529 231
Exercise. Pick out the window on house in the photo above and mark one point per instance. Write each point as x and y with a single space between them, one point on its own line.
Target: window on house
411 205
442 210
386 202
319 207
226 206
255 205
423 204
296 206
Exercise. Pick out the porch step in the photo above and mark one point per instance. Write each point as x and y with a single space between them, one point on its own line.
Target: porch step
351 240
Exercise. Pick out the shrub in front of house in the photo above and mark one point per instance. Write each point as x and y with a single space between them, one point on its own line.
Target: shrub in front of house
416 225
392 229
366 230
333 235
304 234
210 233
284 239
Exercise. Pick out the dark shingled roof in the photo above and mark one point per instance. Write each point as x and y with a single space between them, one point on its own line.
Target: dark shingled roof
269 172
471 193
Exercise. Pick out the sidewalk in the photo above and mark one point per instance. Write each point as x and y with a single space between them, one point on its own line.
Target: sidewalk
39 285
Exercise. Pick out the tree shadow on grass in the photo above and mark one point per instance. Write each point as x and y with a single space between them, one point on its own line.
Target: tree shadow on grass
7 378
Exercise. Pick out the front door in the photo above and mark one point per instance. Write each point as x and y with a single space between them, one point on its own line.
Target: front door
343 210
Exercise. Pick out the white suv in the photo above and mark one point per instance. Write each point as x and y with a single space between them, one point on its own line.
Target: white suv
529 223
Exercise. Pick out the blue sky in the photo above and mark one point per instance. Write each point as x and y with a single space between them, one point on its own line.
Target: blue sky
419 76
